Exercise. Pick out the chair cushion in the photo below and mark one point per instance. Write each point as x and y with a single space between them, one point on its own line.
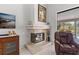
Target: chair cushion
69 38
63 40
68 48
63 37
73 46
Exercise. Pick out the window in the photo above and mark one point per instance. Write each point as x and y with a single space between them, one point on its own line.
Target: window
71 26
77 29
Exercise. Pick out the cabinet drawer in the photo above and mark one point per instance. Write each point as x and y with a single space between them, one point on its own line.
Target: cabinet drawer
9 39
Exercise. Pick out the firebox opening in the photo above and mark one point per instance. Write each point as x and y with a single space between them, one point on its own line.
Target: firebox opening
37 37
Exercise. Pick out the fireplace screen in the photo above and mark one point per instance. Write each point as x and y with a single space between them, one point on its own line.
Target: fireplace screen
37 37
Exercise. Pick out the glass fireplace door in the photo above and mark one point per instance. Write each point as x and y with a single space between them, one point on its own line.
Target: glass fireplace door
37 37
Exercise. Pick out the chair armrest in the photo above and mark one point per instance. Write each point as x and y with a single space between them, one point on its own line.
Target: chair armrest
75 43
59 43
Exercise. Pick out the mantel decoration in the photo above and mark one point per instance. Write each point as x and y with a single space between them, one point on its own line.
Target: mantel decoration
41 13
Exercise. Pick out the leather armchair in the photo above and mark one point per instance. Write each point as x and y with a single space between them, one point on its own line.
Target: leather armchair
64 43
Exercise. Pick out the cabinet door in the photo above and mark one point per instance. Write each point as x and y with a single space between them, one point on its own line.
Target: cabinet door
1 46
0 51
9 47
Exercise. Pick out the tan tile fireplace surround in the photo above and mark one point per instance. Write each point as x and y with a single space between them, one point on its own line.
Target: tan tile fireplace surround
38 28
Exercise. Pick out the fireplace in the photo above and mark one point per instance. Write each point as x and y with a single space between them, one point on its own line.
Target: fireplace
37 37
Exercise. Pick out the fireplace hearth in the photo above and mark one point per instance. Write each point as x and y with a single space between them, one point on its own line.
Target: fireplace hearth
37 37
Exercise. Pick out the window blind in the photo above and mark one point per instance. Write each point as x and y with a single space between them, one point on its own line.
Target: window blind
69 14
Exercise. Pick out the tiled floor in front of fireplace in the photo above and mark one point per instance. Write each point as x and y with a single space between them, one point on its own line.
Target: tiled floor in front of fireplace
47 49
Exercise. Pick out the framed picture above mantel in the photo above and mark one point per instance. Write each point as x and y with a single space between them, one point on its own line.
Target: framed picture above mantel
41 13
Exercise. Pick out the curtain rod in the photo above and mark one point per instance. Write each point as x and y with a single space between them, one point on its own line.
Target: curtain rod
68 10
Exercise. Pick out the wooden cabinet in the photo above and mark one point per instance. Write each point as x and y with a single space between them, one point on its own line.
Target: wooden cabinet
9 45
